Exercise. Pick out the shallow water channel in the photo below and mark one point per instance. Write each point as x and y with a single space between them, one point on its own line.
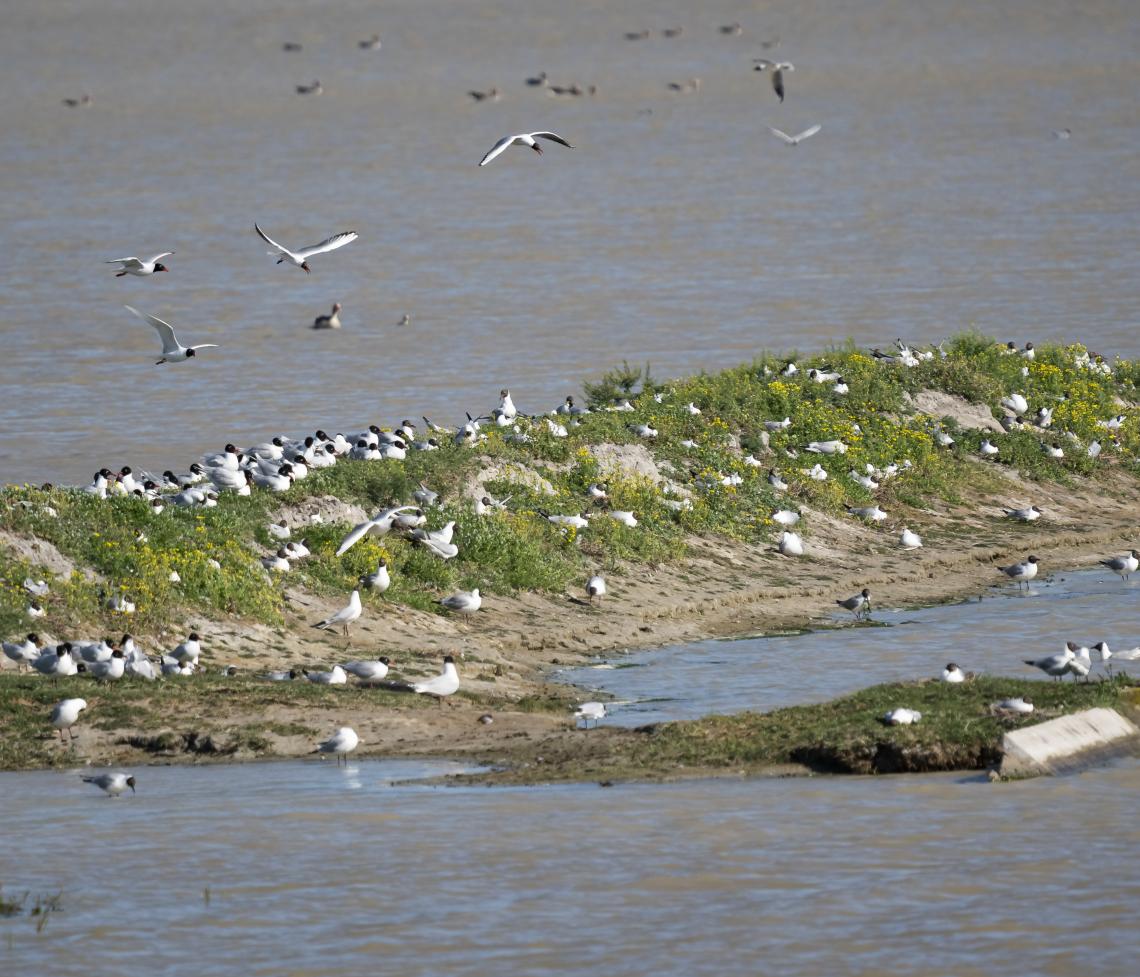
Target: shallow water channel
300 869
993 635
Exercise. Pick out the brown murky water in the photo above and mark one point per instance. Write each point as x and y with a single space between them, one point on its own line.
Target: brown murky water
677 231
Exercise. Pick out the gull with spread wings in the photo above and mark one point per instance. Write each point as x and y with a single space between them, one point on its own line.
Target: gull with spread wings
523 139
798 137
136 266
777 68
301 258
172 350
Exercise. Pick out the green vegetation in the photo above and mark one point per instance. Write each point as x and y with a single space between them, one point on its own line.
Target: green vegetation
121 547
959 730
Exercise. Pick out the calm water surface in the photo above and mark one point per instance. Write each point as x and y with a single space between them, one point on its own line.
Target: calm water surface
320 872
678 230
992 635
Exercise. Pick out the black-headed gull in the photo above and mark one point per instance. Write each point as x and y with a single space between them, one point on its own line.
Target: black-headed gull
1021 572
65 714
1055 666
330 321
953 674
798 138
589 712
596 587
1124 565
463 601
444 684
136 266
301 258
172 350
340 744
777 68
345 616
859 605
112 784
368 671
901 717
523 139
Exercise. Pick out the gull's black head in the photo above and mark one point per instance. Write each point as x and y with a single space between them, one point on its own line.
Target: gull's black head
191 352
159 266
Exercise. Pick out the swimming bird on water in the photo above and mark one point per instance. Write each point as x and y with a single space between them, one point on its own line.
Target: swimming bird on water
330 321
1124 565
112 784
797 138
777 68
340 744
523 139
172 350
859 605
300 259
491 95
370 44
136 266
1021 572
316 88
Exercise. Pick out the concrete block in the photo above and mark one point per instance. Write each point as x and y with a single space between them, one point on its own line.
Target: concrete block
1066 743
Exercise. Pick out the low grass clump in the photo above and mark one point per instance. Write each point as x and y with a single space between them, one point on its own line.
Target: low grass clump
959 730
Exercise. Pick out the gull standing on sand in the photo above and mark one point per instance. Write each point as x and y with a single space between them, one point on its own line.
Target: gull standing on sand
172 350
777 68
1124 565
523 139
590 711
340 744
444 684
796 140
65 714
112 784
596 587
300 259
1021 572
136 266
910 540
859 605
466 602
345 616
791 544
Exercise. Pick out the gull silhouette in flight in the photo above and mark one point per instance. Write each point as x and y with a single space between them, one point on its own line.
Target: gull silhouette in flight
777 68
172 350
798 137
301 258
523 139
136 266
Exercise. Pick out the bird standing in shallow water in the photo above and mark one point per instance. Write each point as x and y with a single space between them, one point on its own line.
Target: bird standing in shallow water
859 605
